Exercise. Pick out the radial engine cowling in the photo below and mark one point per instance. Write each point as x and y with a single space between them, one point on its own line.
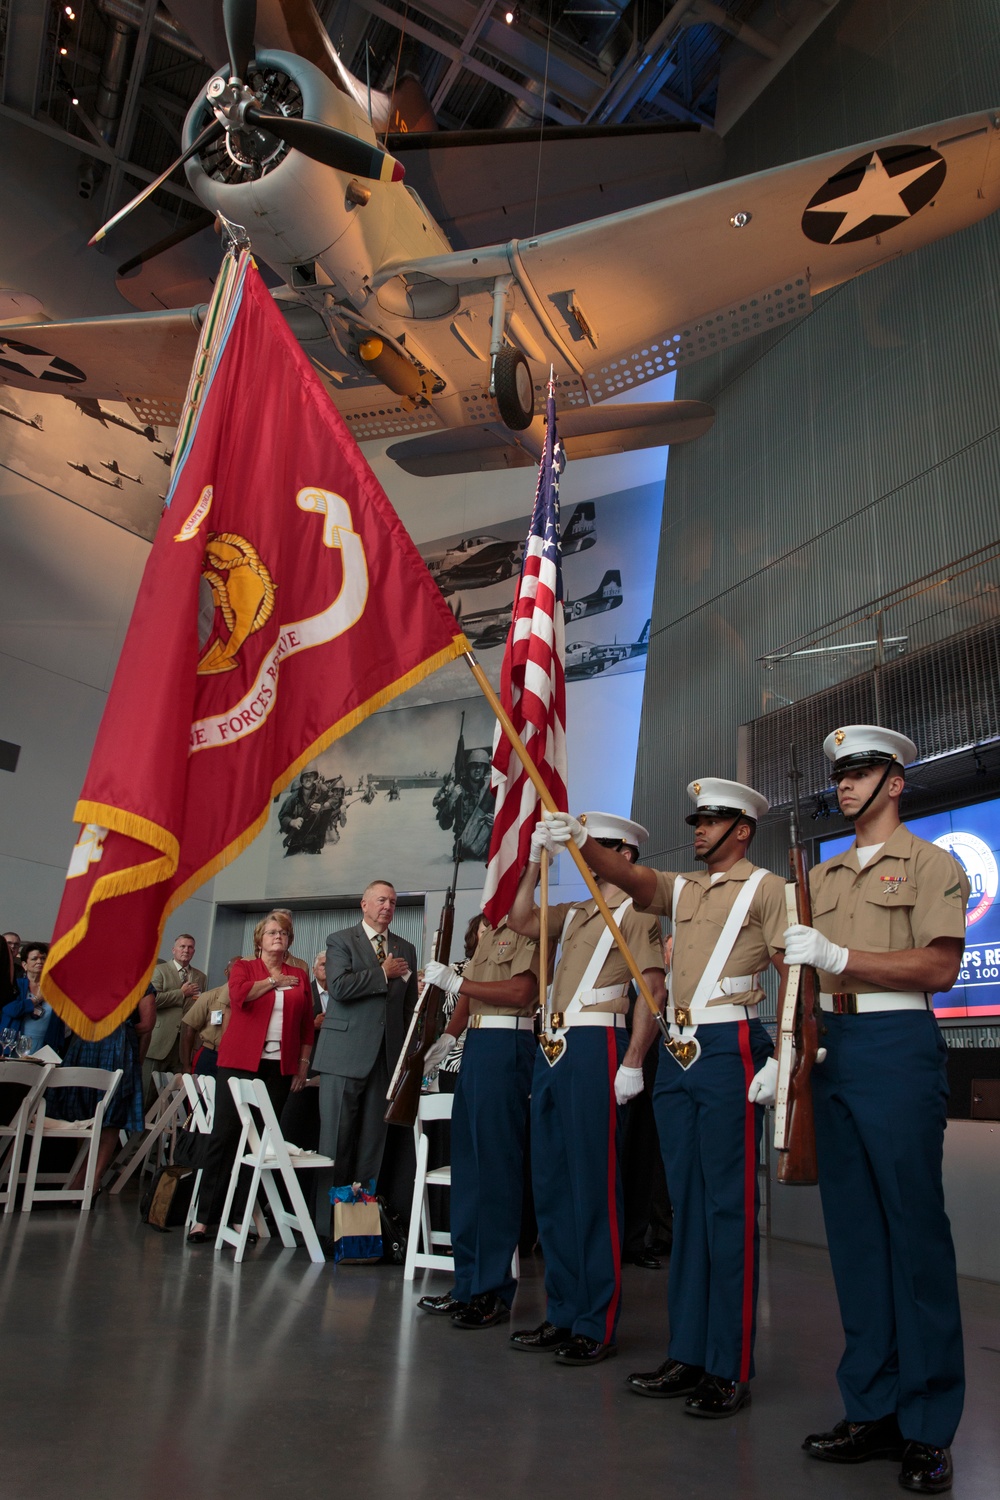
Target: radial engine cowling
293 208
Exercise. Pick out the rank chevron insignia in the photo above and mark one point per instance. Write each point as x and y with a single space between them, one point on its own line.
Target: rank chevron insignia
872 194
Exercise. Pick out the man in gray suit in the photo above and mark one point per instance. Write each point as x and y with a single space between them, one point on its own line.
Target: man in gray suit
371 979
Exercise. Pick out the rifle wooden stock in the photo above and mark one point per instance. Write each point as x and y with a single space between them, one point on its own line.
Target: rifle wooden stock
425 1023
795 1136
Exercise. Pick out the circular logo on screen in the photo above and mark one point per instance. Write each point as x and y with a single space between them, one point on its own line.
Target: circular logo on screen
979 863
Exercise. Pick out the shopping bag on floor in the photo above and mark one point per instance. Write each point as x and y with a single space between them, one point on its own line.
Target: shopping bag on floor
168 1199
357 1226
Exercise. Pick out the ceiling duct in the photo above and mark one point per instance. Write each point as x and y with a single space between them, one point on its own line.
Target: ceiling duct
165 29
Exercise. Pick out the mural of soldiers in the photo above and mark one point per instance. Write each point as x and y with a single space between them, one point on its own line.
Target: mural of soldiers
305 815
464 803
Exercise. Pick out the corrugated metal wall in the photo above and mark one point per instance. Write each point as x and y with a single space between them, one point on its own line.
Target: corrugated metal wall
856 450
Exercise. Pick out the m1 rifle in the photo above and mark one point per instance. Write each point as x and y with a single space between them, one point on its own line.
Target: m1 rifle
798 1028
425 1024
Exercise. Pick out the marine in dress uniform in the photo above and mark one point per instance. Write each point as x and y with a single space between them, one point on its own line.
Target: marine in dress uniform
497 993
889 932
575 1128
728 925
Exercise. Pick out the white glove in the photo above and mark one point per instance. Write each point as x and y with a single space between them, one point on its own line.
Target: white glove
541 839
563 828
443 977
804 945
438 1051
764 1084
628 1083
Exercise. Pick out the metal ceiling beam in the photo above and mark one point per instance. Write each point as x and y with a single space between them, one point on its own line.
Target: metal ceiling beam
457 64
126 126
100 152
471 64
22 60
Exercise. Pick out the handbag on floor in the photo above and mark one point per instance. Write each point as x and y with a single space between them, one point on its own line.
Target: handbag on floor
168 1199
393 1233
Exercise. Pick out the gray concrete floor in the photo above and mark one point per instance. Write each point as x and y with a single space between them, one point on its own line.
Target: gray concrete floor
137 1366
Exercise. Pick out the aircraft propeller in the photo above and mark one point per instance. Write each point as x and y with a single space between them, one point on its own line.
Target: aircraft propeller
236 108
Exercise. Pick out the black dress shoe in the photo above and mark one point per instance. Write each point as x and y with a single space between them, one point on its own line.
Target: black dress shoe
672 1379
857 1442
925 1469
486 1310
442 1307
544 1339
198 1237
645 1260
713 1397
580 1350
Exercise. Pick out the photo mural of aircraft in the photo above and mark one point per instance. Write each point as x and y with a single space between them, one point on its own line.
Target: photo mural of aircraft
476 562
115 484
608 595
446 350
585 659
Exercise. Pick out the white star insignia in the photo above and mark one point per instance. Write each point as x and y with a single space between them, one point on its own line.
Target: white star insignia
35 365
877 195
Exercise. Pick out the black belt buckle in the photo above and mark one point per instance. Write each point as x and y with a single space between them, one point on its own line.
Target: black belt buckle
845 1004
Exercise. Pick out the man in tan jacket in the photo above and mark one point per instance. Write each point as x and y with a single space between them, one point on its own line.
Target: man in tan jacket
177 984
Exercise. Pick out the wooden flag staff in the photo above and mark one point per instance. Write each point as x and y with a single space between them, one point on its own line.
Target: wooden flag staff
545 797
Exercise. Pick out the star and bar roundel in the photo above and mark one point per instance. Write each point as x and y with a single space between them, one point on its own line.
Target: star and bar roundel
873 193
25 359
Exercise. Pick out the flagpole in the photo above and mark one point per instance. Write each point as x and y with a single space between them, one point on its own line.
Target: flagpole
545 797
543 939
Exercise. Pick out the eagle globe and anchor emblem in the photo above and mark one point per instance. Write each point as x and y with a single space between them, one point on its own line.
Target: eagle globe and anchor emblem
980 865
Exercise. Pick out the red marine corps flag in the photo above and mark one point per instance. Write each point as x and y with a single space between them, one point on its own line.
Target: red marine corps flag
282 603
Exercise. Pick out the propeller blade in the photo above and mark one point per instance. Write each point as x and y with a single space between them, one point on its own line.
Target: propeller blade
334 148
208 135
240 19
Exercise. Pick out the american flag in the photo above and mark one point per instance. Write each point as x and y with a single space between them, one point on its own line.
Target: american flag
532 687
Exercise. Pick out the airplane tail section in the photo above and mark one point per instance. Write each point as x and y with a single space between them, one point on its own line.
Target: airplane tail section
611 583
644 637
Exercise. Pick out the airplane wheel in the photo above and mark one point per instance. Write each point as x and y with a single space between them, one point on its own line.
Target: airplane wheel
514 388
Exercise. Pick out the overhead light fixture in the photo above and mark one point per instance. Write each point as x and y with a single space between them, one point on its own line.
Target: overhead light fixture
512 15
70 12
63 51
74 100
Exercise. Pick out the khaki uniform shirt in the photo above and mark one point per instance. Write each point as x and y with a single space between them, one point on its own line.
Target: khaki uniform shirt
909 893
197 1017
499 955
641 933
702 909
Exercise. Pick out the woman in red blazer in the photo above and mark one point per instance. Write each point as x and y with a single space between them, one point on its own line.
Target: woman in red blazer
269 1036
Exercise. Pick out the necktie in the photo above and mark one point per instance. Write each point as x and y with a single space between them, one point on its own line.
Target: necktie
185 974
379 946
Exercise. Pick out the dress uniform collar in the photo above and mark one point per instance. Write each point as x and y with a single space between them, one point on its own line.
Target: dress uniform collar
899 845
741 871
614 901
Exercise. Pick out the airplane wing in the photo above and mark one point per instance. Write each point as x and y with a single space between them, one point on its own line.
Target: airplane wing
142 358
586 432
488 185
623 299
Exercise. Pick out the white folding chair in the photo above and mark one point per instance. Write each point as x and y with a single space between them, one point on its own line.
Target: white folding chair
161 1120
87 1132
13 1134
200 1089
266 1153
422 1238
420 1241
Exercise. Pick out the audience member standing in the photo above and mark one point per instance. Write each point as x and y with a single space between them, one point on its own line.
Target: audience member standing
29 1013
269 1036
203 1026
177 984
372 983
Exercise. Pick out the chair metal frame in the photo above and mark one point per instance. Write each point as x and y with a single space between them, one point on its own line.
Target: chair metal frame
163 1116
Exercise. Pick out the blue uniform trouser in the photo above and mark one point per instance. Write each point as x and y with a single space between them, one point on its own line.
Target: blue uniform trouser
710 1139
577 1181
879 1102
489 1123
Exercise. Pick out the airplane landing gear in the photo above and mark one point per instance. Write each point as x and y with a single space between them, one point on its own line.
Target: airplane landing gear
513 388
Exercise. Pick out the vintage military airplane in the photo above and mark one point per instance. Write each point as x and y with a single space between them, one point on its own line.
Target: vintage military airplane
112 464
448 351
15 416
478 561
585 659
608 595
85 469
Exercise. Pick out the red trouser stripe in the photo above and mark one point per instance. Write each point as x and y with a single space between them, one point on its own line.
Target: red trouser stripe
616 1249
749 1199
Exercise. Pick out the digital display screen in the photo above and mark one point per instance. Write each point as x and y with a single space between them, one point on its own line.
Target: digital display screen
972 835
